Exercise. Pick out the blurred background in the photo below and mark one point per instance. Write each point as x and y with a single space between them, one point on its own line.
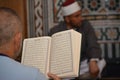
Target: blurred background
39 16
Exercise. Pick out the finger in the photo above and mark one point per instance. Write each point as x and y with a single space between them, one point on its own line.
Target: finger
53 76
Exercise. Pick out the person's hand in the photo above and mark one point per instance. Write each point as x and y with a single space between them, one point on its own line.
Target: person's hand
53 76
94 70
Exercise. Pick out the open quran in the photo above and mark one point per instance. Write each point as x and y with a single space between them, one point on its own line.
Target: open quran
58 54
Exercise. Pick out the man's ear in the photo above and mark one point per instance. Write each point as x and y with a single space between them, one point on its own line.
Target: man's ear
67 19
17 40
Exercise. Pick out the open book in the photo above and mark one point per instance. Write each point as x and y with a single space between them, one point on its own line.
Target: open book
58 54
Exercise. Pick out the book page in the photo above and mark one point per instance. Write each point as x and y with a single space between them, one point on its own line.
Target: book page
76 40
35 52
61 60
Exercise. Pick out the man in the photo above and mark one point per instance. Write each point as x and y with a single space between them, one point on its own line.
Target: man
10 43
90 50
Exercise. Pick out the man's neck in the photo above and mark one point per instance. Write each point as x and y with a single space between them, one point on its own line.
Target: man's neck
69 26
2 54
8 53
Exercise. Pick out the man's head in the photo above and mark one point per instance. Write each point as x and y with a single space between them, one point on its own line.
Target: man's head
72 13
10 32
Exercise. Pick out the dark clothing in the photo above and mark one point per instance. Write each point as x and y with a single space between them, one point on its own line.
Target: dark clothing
89 48
1 54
